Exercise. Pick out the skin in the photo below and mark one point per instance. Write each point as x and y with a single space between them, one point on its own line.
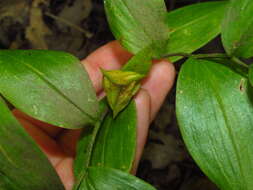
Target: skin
60 144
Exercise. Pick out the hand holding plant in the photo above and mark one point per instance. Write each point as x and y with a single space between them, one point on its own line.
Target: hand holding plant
213 101
60 145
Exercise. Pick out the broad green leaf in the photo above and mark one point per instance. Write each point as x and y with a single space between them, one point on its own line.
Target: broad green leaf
237 29
112 179
214 109
119 140
193 26
112 144
22 164
137 23
48 85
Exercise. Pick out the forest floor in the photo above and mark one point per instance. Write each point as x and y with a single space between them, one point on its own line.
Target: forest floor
80 27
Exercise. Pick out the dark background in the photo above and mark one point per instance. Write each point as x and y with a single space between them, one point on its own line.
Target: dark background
80 27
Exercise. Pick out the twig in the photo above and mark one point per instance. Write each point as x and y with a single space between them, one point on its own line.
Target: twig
68 23
239 62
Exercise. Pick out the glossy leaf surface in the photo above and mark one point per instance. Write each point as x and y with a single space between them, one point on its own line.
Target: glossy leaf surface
22 164
137 23
48 85
237 29
111 179
193 26
214 109
119 140
111 145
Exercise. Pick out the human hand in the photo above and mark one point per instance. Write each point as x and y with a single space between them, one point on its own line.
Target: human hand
60 144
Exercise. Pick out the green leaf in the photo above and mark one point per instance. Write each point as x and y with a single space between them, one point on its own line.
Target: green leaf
119 140
111 179
110 144
48 85
22 164
141 62
137 23
214 109
193 26
237 29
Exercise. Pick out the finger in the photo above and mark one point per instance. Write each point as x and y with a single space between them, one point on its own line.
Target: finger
143 114
158 83
109 57
50 130
47 144
65 172
68 141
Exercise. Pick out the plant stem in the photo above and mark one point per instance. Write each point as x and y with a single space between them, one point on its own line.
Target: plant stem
68 23
89 151
197 56
175 54
211 55
89 148
239 62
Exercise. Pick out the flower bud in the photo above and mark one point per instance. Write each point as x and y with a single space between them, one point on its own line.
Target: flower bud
122 77
120 87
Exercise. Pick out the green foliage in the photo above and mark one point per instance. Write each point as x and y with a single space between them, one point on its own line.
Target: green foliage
118 135
22 164
193 26
138 24
111 144
237 30
48 86
214 110
141 62
112 132
106 178
251 74
214 98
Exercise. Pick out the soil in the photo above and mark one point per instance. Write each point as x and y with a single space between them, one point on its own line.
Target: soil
80 27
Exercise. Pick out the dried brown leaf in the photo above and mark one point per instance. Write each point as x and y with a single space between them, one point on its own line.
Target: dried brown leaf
14 8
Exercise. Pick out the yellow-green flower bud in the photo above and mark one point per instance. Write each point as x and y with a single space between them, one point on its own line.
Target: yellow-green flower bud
122 77
120 87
